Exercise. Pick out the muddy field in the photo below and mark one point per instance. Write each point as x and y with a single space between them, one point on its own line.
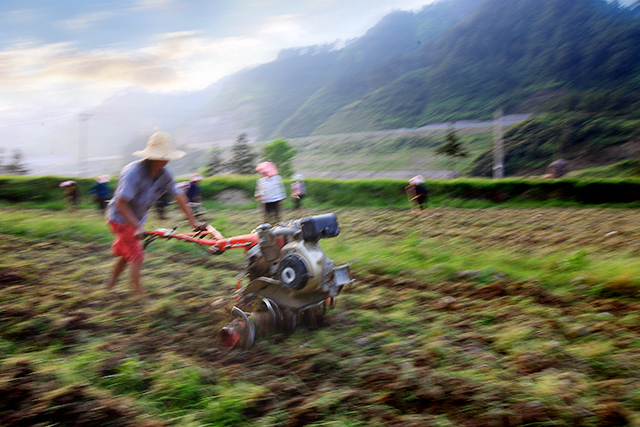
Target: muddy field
495 317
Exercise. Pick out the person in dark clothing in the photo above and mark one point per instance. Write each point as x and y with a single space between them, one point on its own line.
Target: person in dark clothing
417 191
101 192
193 191
298 191
162 203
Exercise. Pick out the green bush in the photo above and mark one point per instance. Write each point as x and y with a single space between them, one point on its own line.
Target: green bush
379 193
24 188
210 187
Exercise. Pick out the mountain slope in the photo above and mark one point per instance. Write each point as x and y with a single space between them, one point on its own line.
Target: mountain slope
303 87
454 60
374 60
276 90
503 56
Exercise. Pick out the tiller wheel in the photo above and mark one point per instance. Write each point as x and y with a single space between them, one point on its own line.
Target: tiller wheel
267 317
239 333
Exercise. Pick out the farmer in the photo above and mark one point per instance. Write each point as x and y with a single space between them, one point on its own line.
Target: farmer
298 190
417 192
162 203
193 190
71 195
270 190
101 191
557 168
140 185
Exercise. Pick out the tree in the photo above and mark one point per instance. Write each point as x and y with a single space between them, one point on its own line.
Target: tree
215 164
453 146
243 159
281 153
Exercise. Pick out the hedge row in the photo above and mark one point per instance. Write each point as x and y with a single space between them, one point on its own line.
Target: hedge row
375 193
602 191
391 192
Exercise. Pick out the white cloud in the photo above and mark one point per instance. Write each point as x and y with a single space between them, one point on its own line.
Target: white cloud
18 16
283 27
32 70
175 45
86 21
183 60
27 61
155 4
176 61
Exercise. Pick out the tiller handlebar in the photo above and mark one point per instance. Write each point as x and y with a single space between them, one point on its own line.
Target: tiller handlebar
206 236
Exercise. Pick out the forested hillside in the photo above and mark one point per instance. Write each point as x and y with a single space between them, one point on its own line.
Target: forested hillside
456 59
509 55
575 64
586 136
295 94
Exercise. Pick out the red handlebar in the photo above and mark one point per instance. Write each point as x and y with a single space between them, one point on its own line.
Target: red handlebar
217 245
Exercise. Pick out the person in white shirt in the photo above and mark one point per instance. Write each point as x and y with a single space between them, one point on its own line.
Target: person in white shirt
270 191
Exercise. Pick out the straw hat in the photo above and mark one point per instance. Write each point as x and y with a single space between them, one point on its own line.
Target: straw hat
101 179
159 147
267 168
418 179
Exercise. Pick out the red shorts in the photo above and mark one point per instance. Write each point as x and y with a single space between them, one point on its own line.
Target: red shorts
126 245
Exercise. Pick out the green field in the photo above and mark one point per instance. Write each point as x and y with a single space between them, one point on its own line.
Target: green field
457 317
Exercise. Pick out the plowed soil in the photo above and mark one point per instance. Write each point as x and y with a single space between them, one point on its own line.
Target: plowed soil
472 349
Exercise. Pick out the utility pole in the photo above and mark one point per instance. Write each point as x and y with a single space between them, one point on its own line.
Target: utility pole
83 143
498 146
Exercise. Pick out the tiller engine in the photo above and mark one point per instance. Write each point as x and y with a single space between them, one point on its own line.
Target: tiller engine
290 277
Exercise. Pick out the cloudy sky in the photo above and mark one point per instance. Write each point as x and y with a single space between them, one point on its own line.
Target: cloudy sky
75 53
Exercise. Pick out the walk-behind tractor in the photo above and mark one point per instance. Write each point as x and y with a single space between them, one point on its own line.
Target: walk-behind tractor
290 278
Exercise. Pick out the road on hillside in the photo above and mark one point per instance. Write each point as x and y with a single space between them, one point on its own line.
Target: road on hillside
482 126
463 124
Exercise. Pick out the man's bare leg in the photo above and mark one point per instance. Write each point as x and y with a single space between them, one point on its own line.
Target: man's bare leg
135 277
115 273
